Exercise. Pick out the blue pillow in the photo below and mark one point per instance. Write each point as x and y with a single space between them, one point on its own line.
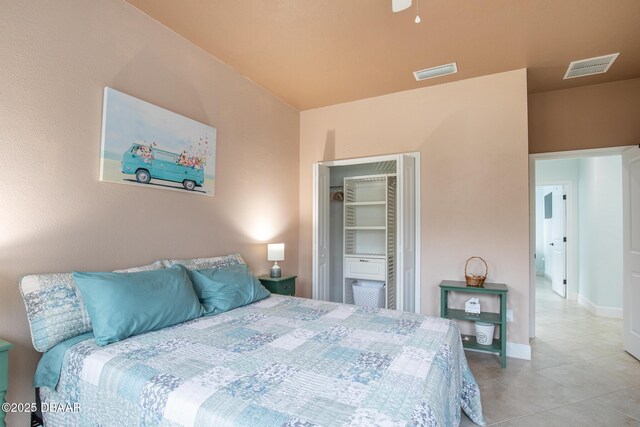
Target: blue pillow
225 288
124 304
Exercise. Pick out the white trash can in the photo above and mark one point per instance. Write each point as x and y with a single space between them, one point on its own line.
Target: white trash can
368 293
484 333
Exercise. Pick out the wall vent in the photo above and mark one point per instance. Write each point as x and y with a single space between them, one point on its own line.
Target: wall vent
441 70
588 67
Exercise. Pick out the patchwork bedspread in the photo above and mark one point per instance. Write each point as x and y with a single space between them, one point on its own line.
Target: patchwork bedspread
283 361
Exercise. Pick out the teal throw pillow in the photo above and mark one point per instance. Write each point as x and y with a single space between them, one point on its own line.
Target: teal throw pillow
121 305
225 288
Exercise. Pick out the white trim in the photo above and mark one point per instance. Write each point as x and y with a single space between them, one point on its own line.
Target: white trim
362 160
600 310
532 247
314 234
515 350
418 247
518 351
591 152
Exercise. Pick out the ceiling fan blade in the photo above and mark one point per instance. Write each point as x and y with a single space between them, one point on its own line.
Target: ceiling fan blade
398 5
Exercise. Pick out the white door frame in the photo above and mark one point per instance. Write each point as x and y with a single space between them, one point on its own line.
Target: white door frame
595 152
374 159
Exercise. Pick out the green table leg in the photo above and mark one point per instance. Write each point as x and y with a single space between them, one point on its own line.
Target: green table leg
4 376
503 329
2 414
3 383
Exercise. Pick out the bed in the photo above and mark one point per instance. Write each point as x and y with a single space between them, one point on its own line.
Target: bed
282 361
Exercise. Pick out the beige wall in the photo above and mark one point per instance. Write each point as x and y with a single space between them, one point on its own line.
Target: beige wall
472 136
604 115
55 59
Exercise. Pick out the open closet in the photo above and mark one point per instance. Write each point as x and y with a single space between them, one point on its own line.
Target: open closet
365 231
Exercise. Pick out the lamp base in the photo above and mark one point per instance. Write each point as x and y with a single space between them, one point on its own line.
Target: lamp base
275 270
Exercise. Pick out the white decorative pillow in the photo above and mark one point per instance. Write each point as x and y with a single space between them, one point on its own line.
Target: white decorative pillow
55 308
156 265
201 263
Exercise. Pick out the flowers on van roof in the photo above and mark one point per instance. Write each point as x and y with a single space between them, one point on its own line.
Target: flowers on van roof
194 162
145 152
195 156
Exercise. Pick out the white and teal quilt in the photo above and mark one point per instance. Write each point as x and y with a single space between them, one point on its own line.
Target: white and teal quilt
283 361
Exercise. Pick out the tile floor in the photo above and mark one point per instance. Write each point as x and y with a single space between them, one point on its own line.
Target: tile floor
578 374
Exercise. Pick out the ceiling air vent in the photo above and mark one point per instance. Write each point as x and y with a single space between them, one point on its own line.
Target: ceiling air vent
587 67
441 70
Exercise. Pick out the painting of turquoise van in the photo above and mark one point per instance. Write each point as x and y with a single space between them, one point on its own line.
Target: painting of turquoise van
147 163
147 146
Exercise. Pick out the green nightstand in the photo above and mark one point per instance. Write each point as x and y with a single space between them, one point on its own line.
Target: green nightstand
285 285
500 319
4 375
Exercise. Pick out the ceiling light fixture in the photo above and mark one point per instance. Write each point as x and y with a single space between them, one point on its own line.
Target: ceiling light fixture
400 5
418 20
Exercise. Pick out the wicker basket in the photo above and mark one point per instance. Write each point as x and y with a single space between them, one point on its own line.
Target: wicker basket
368 293
473 280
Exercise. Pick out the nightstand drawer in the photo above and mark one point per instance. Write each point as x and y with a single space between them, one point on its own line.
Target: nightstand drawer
287 288
285 285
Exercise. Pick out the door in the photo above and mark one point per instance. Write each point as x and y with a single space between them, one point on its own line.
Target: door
406 233
631 242
321 272
558 241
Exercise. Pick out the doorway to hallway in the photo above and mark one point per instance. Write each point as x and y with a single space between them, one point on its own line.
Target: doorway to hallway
577 215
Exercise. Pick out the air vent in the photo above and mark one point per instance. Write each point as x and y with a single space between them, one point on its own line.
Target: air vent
587 67
441 70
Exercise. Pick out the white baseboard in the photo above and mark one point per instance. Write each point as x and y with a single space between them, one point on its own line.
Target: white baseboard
600 310
518 351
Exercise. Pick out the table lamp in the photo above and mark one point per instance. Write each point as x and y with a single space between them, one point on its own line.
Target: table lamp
275 253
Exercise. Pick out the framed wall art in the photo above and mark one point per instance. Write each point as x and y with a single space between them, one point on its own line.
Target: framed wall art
151 147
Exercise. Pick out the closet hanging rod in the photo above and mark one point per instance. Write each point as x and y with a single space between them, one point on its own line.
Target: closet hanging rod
336 187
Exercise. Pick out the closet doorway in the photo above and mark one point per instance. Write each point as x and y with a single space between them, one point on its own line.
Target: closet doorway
366 229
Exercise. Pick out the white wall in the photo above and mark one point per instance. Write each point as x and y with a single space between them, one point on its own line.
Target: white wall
600 224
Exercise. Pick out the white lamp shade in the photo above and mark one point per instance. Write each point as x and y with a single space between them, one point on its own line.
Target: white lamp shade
275 251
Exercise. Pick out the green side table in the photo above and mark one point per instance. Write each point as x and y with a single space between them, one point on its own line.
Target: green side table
285 285
500 319
4 375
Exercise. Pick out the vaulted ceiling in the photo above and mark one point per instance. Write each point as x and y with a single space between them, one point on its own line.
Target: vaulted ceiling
313 53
